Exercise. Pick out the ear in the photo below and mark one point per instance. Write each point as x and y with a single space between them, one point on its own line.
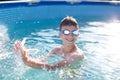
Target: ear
79 35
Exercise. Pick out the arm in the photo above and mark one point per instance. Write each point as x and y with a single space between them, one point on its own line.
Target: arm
39 64
35 63
65 62
25 57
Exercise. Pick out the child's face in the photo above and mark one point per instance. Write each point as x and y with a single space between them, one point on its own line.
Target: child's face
69 34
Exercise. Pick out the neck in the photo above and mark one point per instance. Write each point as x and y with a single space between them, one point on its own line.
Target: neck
69 48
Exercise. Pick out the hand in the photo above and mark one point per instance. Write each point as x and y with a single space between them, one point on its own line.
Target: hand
19 47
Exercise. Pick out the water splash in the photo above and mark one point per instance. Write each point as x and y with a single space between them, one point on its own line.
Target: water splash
3 35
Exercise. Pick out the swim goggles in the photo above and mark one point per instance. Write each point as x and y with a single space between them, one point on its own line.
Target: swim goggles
67 32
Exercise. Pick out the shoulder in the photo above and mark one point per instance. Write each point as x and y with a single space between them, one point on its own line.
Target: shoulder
75 57
56 50
79 54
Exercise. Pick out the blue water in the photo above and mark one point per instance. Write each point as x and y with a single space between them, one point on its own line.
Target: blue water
99 40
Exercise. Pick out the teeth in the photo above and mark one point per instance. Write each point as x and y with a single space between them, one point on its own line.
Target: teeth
70 40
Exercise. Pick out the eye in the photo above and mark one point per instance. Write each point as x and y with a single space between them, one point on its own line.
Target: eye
66 32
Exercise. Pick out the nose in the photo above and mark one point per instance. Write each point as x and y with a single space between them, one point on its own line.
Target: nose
70 35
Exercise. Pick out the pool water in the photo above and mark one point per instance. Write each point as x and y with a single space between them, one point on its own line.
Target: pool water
99 40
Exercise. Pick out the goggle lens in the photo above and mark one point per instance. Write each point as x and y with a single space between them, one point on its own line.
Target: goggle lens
66 32
75 32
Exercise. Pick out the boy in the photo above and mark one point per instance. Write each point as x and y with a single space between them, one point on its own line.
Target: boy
69 51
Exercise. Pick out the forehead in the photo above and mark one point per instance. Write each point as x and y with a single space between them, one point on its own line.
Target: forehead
69 27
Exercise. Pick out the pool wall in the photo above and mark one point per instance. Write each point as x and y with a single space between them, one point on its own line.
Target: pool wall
52 9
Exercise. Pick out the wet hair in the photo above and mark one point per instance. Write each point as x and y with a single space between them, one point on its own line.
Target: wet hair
69 21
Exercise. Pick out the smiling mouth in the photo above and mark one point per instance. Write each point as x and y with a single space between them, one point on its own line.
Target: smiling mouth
70 40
